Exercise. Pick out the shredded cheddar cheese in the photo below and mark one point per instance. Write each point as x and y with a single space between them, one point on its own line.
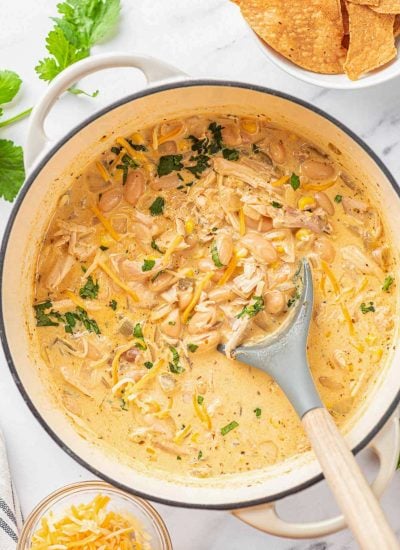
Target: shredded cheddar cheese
90 527
316 187
106 223
115 362
135 155
102 171
182 434
118 281
196 295
229 270
74 298
172 247
280 181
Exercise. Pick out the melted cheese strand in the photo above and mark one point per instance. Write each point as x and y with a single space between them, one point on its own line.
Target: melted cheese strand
103 172
196 295
106 223
115 362
242 223
229 270
118 281
171 249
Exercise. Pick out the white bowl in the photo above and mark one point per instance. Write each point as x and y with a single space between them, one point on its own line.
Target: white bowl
333 81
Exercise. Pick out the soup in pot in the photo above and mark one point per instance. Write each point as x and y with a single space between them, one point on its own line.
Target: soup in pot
189 234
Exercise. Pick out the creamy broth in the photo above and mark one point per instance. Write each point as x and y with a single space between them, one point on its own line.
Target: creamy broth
188 234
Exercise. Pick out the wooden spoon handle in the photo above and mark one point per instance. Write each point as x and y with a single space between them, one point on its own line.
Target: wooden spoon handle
361 509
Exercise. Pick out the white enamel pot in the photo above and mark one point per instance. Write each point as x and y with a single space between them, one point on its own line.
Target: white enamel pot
251 495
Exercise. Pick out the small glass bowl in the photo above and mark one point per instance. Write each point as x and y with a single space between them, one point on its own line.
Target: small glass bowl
78 493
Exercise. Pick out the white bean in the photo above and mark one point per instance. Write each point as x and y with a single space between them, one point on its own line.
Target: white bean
110 199
277 152
325 202
317 170
172 324
134 187
274 301
325 249
260 247
224 245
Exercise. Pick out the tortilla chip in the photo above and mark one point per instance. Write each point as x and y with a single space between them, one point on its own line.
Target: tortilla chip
366 2
345 18
396 28
387 6
371 40
308 32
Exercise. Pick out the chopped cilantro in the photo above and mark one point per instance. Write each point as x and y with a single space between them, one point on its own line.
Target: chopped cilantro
113 305
387 283
116 150
44 319
169 163
294 181
137 331
178 457
293 299
338 198
215 256
200 455
366 309
136 146
201 165
192 347
276 204
253 309
257 412
148 364
175 366
127 162
90 290
157 206
155 246
230 154
200 399
148 264
216 143
229 427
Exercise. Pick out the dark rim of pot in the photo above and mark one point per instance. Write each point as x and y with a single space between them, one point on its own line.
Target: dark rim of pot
31 178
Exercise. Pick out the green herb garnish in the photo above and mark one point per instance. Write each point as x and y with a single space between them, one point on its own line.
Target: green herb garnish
90 290
155 246
138 332
201 165
192 347
44 319
175 365
215 256
200 455
229 427
157 207
113 305
338 198
293 299
148 264
366 309
126 163
200 399
253 309
230 154
178 457
148 364
294 181
169 163
257 412
387 283
276 204
216 143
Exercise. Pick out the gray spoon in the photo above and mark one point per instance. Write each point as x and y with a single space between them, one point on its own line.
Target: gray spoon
283 356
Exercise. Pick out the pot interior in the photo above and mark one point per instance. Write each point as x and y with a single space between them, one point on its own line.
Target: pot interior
28 224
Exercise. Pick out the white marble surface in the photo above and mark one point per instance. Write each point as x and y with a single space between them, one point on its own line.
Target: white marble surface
204 38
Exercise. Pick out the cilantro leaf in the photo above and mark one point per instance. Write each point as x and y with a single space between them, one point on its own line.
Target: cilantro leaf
253 309
387 283
230 154
169 163
10 83
365 309
157 206
215 256
257 411
192 347
200 399
175 366
86 22
201 165
216 143
63 55
12 172
276 204
138 332
338 198
90 290
148 265
294 181
113 304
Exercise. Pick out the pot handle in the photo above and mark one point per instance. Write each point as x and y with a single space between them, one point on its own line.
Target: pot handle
386 445
154 70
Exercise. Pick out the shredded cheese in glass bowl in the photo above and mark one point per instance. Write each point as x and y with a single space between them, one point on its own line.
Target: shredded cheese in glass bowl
94 516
